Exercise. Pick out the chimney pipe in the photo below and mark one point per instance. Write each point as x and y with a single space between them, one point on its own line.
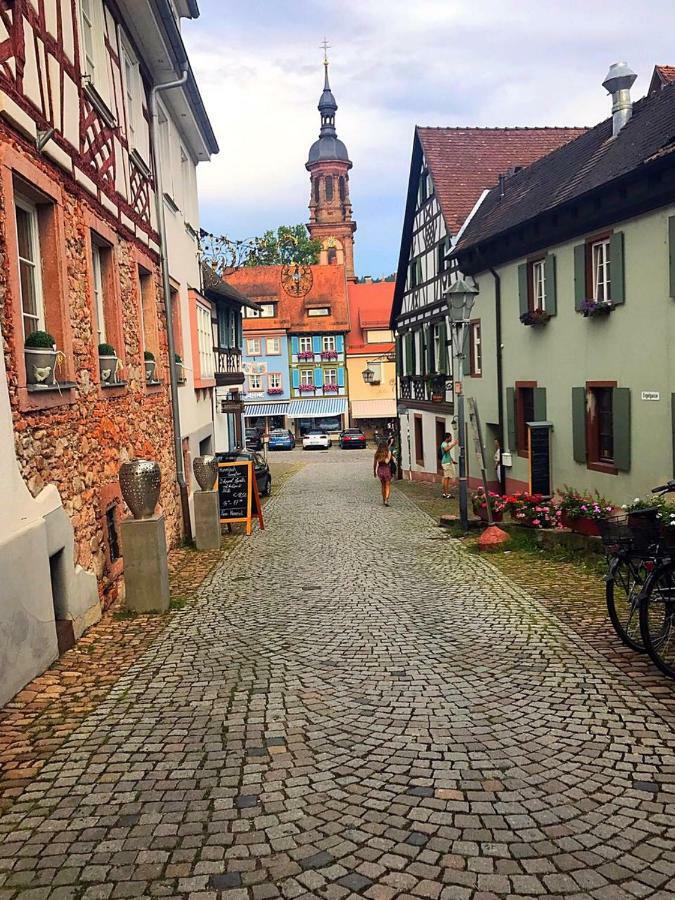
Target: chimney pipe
618 83
502 186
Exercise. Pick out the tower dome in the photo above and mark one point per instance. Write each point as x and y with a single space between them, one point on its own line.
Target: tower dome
328 146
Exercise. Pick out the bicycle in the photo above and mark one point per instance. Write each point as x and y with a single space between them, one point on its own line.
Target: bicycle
657 600
631 544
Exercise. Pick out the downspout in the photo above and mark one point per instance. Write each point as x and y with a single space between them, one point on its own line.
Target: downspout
500 375
166 284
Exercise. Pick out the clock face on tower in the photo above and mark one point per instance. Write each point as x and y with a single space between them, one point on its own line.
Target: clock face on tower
296 279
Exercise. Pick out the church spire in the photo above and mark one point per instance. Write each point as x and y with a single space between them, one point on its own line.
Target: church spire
327 105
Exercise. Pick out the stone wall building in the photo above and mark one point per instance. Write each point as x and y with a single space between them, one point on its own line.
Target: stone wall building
80 248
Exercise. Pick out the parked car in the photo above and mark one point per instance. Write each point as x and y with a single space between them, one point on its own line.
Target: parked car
254 439
263 476
352 438
316 440
281 439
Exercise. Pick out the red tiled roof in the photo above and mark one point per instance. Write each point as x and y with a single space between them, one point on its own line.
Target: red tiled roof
661 76
370 309
329 288
466 161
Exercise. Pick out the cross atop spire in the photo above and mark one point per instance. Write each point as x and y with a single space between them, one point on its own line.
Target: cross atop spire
325 46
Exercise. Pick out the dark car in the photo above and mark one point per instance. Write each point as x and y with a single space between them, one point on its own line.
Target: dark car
280 439
352 438
254 439
262 470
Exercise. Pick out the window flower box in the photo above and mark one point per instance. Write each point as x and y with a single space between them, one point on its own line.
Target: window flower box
306 354
275 390
41 358
591 308
535 317
306 388
330 388
329 354
581 512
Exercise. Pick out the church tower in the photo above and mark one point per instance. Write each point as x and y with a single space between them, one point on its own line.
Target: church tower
330 209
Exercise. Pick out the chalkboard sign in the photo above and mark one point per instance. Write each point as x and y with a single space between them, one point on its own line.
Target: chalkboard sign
238 495
540 457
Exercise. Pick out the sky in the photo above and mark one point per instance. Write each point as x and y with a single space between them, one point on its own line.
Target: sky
394 64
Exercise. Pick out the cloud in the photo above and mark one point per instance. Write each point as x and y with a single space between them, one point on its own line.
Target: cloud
394 64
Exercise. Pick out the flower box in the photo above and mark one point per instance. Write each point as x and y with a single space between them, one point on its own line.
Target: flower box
535 317
306 354
330 389
532 510
273 390
580 512
580 525
329 354
591 308
306 388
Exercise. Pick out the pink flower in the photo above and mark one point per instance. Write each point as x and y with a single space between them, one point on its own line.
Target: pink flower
536 522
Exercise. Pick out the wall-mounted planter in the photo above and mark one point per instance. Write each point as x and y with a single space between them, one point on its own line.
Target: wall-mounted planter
150 370
595 308
40 366
535 318
180 373
108 367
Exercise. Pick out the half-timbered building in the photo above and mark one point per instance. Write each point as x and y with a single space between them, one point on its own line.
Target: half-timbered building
451 168
82 310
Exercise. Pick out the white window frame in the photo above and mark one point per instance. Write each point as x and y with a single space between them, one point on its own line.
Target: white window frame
274 379
601 262
137 133
330 376
255 382
98 290
205 342
253 347
165 152
476 349
273 346
539 284
267 311
305 344
328 342
307 376
35 265
95 59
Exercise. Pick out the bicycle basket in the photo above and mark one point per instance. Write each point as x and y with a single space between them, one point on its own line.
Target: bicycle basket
637 533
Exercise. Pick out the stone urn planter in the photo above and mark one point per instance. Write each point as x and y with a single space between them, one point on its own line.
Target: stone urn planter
150 367
205 469
140 481
41 358
108 364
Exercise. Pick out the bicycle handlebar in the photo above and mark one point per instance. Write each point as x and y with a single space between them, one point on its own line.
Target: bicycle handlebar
668 488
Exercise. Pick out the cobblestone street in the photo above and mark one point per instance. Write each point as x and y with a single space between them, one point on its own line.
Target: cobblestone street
356 706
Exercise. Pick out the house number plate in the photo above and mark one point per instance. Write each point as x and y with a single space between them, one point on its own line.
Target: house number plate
651 395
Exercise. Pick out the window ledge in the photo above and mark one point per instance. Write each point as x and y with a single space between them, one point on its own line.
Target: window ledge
99 104
171 203
39 397
607 468
50 388
114 390
140 163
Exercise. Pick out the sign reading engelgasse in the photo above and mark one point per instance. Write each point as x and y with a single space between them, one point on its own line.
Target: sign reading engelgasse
650 395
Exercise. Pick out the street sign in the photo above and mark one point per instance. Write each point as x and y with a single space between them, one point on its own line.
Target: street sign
651 395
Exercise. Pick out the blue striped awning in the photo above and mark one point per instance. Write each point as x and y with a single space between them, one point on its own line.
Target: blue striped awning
266 409
313 409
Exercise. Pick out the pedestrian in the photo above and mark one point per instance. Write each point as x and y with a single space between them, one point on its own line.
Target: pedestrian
498 463
447 463
382 470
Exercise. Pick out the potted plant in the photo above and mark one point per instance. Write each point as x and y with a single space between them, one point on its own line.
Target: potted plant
480 503
532 510
150 366
590 308
40 354
535 317
108 364
581 512
180 368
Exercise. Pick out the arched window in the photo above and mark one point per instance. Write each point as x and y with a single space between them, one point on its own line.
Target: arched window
343 189
329 187
332 256
317 183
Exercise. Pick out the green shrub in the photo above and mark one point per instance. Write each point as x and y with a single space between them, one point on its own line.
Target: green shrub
40 340
106 350
148 356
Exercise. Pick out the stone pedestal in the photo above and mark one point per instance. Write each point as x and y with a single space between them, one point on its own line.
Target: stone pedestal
207 520
146 571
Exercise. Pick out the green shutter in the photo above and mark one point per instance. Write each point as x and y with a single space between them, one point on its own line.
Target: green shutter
442 338
621 423
466 351
616 269
511 418
539 395
579 424
399 354
671 253
429 338
579 276
551 287
523 301
407 339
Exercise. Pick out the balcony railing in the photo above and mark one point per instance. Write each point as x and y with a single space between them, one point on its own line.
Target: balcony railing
228 366
423 387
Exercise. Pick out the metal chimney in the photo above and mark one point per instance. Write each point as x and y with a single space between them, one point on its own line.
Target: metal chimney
618 83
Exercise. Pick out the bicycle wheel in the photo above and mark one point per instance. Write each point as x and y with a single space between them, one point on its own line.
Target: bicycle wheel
622 590
657 619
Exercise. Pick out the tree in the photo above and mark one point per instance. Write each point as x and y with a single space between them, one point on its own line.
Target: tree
290 243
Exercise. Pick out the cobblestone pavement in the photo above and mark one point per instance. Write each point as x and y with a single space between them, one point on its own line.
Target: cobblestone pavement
356 707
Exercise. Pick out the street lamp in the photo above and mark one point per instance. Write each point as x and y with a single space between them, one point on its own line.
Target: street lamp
368 375
461 297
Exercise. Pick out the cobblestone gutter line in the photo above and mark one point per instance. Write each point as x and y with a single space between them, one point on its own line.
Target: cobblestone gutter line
41 717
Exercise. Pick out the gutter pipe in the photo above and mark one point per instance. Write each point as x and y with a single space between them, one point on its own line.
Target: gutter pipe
500 375
166 284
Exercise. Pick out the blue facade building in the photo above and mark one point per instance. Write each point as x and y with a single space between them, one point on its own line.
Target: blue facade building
265 362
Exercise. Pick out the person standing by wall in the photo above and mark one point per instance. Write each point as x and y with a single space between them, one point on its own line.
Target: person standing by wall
448 463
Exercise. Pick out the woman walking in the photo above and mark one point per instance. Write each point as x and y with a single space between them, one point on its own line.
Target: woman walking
382 470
